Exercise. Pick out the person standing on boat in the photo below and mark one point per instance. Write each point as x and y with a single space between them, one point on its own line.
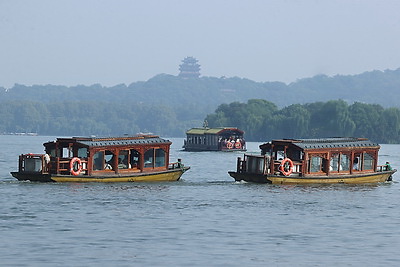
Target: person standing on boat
388 167
46 161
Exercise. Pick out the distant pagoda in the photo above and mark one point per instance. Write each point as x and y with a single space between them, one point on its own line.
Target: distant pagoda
189 68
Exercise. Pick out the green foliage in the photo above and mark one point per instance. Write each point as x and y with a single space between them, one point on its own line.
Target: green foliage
294 121
249 117
330 119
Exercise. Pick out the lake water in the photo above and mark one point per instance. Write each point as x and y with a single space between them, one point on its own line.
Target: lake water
205 219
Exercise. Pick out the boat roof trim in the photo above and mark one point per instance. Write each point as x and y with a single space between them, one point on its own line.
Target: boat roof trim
127 142
114 141
216 130
326 143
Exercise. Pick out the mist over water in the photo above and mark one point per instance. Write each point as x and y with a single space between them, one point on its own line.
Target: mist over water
205 219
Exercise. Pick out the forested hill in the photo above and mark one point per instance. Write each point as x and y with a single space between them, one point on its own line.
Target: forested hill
377 87
168 105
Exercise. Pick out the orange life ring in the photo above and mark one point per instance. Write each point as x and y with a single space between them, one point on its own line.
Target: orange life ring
75 166
284 169
229 145
238 145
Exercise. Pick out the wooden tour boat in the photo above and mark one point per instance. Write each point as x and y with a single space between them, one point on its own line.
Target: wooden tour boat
314 161
138 158
214 139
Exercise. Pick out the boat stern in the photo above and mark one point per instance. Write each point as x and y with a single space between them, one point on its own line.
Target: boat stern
33 167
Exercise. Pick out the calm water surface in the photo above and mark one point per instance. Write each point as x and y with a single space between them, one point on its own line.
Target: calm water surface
206 219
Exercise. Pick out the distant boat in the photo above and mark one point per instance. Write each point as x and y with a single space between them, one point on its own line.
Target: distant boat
140 158
314 161
214 139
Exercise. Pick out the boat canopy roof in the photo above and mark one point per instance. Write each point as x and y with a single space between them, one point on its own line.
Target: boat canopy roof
215 131
112 141
323 143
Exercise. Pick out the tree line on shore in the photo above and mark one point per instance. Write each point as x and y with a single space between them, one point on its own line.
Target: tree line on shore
261 120
169 105
89 118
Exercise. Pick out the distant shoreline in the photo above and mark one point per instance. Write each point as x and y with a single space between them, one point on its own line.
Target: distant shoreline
27 134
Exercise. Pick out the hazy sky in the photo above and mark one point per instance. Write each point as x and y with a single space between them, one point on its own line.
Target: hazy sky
111 42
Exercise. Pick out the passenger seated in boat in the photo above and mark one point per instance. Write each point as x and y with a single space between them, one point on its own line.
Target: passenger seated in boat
107 165
355 165
224 142
121 164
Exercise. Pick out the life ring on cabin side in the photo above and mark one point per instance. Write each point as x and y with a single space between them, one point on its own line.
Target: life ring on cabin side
238 145
286 167
229 145
75 166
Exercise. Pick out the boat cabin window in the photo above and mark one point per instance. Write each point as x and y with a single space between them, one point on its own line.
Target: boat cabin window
33 164
340 162
316 164
368 162
135 159
149 158
103 160
255 164
109 160
51 152
82 152
334 163
344 162
66 152
98 161
280 155
123 162
160 157
154 158
201 140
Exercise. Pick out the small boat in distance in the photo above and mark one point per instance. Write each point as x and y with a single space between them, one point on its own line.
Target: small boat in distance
140 158
314 161
214 139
